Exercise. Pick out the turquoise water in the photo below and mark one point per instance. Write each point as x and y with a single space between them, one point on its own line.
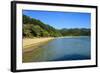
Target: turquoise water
60 49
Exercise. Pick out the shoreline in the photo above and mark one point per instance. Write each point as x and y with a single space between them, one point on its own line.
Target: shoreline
28 43
71 37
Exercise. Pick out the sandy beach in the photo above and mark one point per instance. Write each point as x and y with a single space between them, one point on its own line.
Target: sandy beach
34 42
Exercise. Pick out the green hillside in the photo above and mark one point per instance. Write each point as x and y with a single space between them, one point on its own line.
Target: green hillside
75 32
36 28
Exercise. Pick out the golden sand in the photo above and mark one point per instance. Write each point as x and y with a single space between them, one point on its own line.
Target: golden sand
34 42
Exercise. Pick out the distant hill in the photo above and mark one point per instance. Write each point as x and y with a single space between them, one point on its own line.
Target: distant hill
36 28
75 32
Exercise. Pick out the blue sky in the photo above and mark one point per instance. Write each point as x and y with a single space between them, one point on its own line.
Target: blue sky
61 20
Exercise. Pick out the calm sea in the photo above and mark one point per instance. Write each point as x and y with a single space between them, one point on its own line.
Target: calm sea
61 49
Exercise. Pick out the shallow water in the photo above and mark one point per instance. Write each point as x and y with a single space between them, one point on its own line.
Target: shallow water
60 49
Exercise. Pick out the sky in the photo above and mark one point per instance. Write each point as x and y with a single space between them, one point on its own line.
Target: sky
61 20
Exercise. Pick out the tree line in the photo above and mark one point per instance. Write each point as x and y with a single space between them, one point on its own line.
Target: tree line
35 28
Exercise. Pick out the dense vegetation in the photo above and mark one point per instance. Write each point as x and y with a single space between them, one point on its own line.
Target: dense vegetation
75 32
36 28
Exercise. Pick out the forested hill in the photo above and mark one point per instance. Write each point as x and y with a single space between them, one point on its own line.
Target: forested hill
36 28
75 32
